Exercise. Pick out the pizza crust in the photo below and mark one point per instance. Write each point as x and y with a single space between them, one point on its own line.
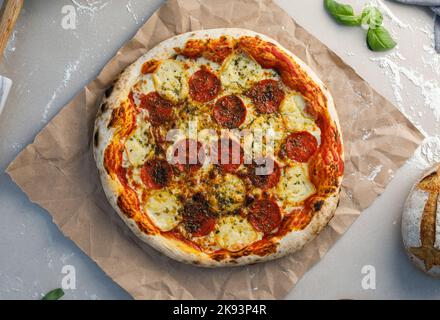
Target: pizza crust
175 249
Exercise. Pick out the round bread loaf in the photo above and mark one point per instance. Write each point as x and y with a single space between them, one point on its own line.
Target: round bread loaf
421 223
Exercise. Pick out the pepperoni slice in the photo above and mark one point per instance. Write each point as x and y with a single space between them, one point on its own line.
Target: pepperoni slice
264 215
159 109
198 219
204 85
189 155
264 173
228 154
300 146
229 111
266 96
156 173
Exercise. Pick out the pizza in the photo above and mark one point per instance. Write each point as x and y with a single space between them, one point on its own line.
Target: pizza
220 148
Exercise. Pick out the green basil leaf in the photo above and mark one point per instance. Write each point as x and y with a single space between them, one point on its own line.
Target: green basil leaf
379 39
343 13
54 294
371 17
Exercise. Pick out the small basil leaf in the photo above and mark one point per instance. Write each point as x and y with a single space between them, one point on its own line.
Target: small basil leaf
371 17
342 13
54 294
379 39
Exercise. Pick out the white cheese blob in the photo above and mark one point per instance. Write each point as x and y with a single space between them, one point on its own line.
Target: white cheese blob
295 185
268 133
137 146
293 112
239 72
163 209
171 80
235 232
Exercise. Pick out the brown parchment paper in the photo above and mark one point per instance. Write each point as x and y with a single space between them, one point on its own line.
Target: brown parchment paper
57 171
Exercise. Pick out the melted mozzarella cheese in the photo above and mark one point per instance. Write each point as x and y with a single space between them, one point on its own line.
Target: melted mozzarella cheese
171 80
240 71
235 232
137 147
227 193
293 112
295 185
163 209
268 133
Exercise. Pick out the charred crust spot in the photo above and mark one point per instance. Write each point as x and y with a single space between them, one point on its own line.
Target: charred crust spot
318 205
104 107
109 91
219 257
96 138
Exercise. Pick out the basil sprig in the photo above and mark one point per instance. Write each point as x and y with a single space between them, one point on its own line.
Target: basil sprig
343 13
378 38
54 294
371 17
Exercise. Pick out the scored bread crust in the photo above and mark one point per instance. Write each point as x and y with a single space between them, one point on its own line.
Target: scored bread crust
411 223
291 242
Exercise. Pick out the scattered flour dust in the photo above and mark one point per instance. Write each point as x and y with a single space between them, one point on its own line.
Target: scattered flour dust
70 69
388 13
374 172
429 88
11 42
13 39
427 154
401 76
90 6
130 10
